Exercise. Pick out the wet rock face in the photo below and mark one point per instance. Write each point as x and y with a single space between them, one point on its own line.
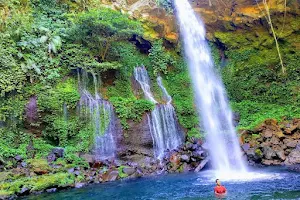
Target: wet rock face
136 142
273 143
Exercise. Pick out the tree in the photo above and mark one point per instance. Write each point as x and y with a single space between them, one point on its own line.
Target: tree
97 29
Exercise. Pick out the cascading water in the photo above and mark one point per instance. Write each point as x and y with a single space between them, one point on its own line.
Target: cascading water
100 113
210 94
163 125
142 77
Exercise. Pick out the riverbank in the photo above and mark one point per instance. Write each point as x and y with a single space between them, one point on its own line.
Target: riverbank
36 176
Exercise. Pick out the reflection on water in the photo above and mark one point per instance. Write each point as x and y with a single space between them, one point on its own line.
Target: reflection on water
277 183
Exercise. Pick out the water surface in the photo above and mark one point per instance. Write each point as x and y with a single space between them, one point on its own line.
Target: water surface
268 183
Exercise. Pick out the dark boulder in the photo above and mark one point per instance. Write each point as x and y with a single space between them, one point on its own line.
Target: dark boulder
55 153
18 158
59 152
24 191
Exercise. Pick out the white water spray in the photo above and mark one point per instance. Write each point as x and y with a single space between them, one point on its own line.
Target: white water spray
210 94
101 117
164 128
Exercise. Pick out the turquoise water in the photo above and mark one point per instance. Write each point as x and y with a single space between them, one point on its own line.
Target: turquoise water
269 183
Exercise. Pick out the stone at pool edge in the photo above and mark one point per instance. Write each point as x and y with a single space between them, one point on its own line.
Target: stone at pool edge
129 170
51 190
79 185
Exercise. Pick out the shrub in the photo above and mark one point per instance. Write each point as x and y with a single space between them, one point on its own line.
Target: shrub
131 108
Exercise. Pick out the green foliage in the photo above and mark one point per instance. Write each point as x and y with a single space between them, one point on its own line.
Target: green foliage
38 183
237 39
258 153
183 99
127 54
41 148
73 159
11 109
159 58
40 164
97 29
121 172
121 88
12 143
15 142
254 113
52 99
131 108
12 77
194 133
254 72
130 57
61 130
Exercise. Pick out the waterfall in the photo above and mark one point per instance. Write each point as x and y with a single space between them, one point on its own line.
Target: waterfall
210 94
142 77
101 118
164 128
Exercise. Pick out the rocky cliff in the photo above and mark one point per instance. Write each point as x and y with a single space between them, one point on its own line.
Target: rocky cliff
239 16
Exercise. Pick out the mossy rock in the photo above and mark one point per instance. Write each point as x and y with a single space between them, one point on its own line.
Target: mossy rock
121 172
53 180
5 194
258 153
5 176
39 166
37 183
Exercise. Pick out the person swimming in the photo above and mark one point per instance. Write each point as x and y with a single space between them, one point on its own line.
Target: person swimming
219 189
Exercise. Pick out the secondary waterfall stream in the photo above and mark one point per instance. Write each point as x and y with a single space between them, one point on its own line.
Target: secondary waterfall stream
164 128
210 94
101 116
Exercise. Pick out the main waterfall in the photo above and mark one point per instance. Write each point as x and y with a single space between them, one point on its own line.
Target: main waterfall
210 94
163 125
101 118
